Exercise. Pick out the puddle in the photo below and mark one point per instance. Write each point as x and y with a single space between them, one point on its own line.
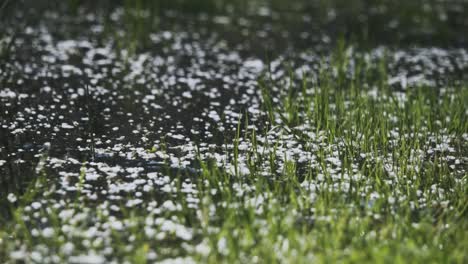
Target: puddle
120 129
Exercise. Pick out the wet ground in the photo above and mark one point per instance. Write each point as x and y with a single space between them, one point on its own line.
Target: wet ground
116 116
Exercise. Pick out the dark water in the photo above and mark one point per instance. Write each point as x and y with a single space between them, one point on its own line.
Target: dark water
105 83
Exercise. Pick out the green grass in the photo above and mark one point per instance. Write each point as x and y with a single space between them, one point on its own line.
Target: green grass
382 203
386 180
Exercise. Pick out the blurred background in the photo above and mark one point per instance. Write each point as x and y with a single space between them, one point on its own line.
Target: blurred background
369 22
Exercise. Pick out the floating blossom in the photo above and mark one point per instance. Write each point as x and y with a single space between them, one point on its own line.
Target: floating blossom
12 198
48 232
255 65
222 246
87 259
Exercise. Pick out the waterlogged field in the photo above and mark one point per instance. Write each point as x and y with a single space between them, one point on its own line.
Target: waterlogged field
234 132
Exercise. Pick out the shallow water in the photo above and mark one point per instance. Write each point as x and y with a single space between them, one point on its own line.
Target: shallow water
134 121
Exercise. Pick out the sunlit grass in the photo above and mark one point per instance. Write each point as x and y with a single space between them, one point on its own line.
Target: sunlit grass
391 195
339 166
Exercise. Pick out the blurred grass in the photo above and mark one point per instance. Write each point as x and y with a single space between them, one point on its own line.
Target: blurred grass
397 22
